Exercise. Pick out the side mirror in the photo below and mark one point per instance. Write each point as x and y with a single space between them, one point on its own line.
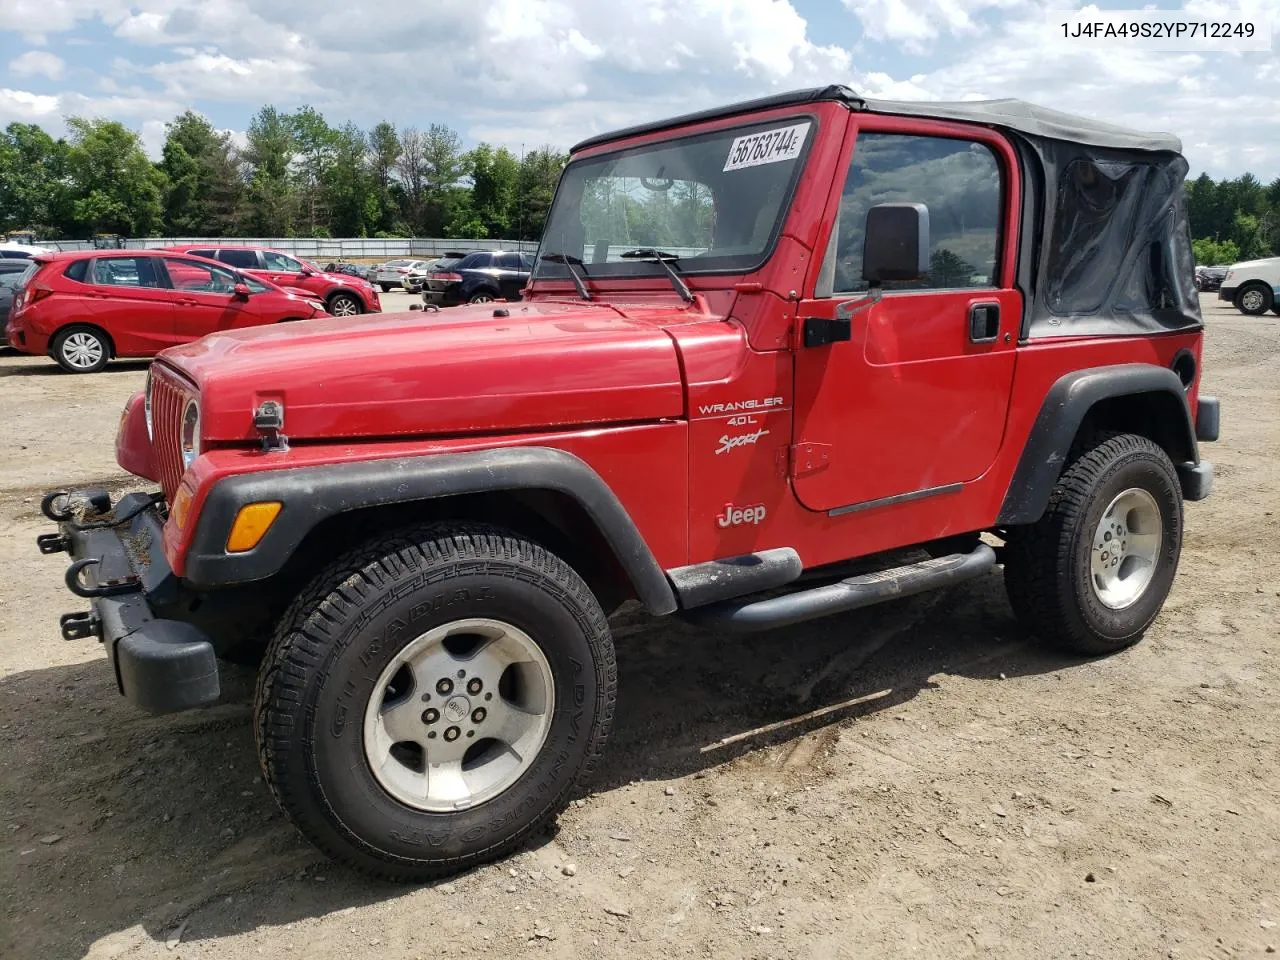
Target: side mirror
896 245
241 291
307 273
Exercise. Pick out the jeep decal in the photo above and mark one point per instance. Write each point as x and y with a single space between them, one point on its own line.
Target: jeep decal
741 516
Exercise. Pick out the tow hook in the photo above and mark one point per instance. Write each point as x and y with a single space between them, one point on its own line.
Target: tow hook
108 588
80 626
46 506
96 503
53 543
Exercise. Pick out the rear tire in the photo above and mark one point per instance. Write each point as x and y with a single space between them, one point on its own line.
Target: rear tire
1254 299
386 287
482 296
426 621
1067 581
81 349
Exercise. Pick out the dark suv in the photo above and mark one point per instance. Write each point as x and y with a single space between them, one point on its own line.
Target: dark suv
478 278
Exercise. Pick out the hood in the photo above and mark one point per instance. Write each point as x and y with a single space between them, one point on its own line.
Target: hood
545 366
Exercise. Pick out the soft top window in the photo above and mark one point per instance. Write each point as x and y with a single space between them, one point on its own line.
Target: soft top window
714 200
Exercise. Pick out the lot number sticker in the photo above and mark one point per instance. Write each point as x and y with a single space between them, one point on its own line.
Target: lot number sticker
771 146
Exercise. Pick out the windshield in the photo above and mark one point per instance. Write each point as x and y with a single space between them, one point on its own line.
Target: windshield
714 200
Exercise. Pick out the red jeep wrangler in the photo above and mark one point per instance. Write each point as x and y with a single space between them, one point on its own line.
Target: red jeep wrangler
761 342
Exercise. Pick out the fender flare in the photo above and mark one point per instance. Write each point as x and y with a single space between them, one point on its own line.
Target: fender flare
313 494
1064 409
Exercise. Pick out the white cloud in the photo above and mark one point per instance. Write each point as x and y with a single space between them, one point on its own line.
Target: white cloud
215 76
916 23
554 71
37 63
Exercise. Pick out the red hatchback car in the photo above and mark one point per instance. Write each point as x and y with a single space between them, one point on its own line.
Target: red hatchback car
84 308
343 295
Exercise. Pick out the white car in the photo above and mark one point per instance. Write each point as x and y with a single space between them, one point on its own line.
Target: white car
393 271
20 251
1253 287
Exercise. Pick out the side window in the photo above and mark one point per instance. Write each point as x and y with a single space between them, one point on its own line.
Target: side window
125 272
510 261
77 270
958 180
281 263
474 261
203 253
199 277
244 259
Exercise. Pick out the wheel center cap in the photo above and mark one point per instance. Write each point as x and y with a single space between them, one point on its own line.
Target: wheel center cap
457 708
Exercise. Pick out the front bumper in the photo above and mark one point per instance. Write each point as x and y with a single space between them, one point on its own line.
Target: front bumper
1227 293
161 665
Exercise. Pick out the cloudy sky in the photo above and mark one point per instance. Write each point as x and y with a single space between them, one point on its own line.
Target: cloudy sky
554 71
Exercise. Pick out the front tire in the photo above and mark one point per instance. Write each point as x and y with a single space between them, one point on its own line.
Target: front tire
1255 299
344 305
81 349
1093 573
432 699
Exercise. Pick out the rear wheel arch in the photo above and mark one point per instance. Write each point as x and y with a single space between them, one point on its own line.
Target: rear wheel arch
1140 399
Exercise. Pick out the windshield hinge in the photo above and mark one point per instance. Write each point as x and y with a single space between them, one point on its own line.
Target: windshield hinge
809 458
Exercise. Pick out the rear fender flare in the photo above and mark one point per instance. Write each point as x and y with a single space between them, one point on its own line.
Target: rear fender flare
1064 410
313 494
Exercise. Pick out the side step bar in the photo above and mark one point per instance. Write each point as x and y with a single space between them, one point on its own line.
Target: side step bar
850 594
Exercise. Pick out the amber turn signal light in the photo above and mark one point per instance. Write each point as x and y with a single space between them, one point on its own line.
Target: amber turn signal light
252 523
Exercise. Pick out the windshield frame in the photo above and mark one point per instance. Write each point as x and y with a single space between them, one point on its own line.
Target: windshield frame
639 269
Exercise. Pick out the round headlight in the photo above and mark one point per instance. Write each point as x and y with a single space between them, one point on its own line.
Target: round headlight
190 433
146 410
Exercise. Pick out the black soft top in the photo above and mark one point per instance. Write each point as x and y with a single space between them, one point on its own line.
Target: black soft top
1105 246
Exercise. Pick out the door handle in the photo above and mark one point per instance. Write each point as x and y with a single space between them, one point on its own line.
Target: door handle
984 322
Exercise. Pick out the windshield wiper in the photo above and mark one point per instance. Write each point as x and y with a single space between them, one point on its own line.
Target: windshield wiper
569 264
650 255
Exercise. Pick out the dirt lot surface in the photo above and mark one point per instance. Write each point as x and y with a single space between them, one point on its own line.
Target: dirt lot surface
928 782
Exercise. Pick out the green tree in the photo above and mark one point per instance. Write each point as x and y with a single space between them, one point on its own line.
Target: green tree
34 193
271 200
495 180
204 187
539 173
348 185
443 166
315 144
1210 252
384 153
114 187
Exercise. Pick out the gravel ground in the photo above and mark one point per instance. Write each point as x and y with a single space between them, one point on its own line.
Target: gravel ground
915 778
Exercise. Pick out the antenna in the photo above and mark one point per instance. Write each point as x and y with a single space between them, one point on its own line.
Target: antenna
520 202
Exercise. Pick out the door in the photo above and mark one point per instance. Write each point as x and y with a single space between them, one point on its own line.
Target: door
285 271
204 299
914 402
511 275
126 297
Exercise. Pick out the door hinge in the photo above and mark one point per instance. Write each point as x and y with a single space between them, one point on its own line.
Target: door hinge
809 458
